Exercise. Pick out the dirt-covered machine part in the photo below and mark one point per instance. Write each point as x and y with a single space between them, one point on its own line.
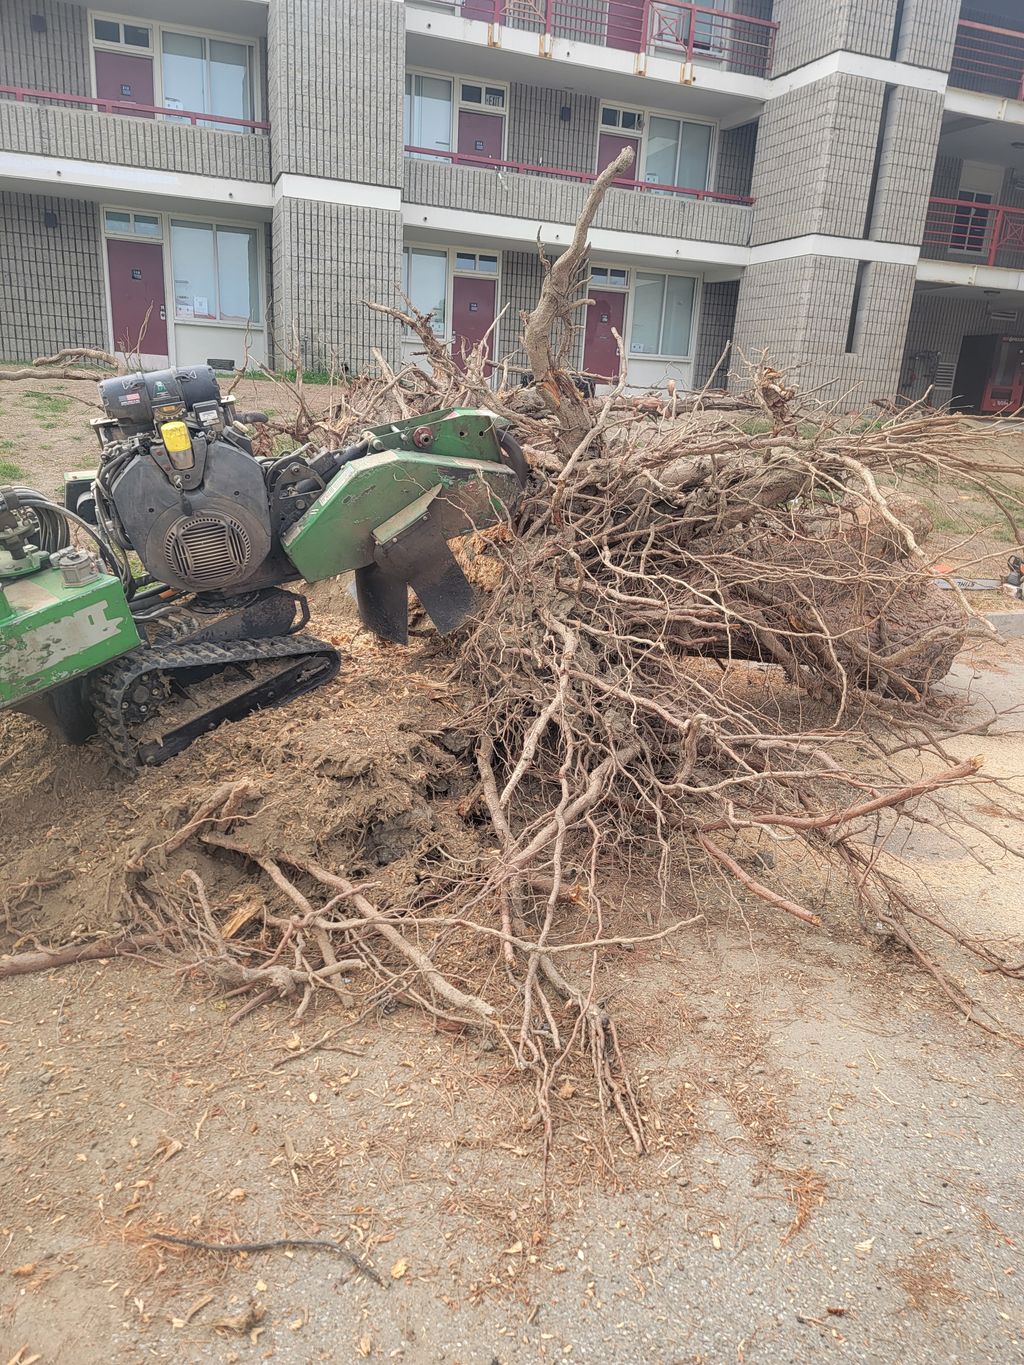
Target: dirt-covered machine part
208 632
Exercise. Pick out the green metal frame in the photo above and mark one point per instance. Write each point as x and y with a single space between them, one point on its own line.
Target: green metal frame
51 633
449 462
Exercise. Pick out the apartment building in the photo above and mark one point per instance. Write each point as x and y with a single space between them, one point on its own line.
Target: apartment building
840 185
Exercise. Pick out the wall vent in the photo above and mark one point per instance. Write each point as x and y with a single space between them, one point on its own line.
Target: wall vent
944 376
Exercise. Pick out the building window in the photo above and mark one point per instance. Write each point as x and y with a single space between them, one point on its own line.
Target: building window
609 277
662 315
625 120
677 153
425 284
207 76
482 96
427 120
114 33
123 223
216 273
475 263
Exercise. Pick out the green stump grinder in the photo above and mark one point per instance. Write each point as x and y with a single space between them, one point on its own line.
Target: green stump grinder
210 629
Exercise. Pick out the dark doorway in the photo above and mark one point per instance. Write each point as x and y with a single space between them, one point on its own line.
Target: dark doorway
989 374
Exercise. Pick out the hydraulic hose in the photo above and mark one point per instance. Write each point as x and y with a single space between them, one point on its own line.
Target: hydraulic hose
54 522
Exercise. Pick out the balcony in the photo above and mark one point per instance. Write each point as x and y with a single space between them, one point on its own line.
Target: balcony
547 194
120 133
686 32
974 234
988 60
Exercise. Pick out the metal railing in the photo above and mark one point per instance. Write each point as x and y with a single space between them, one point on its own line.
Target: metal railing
988 60
701 33
979 234
584 177
20 94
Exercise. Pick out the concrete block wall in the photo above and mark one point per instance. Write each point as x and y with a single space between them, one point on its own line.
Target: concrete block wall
521 278
807 337
52 292
928 33
809 29
715 325
734 164
815 159
329 260
85 135
537 133
56 59
336 86
549 199
910 139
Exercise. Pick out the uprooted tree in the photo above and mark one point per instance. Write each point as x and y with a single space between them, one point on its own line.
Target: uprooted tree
702 641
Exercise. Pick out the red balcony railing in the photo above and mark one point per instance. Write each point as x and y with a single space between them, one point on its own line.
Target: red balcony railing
739 42
585 177
982 234
19 94
988 60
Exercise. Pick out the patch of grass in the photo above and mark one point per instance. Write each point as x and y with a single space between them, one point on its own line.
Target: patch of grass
47 404
9 471
754 426
315 377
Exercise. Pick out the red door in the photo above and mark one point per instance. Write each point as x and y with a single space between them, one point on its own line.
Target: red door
626 25
609 145
120 76
473 309
600 352
137 286
481 134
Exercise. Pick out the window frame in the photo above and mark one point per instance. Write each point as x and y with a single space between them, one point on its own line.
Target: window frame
132 235
155 51
457 104
211 220
643 136
698 284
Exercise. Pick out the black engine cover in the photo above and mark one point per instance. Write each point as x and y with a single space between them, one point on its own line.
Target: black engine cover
211 538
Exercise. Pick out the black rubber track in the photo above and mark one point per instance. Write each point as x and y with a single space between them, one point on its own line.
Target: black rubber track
199 663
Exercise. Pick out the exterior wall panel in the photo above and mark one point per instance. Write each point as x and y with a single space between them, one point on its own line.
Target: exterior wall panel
807 336
52 293
85 135
906 164
538 134
329 260
336 84
55 59
550 200
715 327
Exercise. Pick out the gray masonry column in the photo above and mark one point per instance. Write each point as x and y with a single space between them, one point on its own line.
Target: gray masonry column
844 161
336 84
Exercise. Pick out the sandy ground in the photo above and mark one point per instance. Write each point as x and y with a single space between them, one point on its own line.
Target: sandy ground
835 1164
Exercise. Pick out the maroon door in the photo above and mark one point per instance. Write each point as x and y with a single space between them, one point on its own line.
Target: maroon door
120 76
600 352
609 145
472 312
626 24
137 285
480 134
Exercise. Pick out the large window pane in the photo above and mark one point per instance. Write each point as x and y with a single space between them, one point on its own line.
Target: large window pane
425 282
662 152
675 332
230 90
238 274
428 112
184 72
694 156
193 261
648 299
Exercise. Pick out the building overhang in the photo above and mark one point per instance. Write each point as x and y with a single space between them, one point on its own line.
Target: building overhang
967 274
